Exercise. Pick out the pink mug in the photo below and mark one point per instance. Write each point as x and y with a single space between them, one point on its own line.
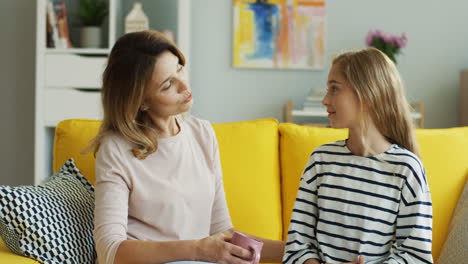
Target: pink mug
244 241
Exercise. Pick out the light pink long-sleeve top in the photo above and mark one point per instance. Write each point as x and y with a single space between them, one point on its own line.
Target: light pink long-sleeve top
175 193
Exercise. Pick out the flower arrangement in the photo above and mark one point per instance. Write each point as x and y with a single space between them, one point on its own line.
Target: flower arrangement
387 43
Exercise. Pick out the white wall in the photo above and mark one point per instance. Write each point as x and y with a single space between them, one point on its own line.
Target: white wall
17 47
437 50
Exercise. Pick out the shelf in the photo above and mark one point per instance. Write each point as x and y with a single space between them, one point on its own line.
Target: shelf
68 81
78 51
316 112
323 113
417 113
52 123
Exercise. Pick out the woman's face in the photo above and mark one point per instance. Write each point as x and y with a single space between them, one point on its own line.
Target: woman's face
341 101
168 93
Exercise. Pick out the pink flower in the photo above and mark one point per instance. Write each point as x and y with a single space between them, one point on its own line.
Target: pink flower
387 38
369 38
378 33
404 36
400 43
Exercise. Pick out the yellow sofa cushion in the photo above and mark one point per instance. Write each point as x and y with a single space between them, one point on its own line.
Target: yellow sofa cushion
250 161
444 153
296 145
71 137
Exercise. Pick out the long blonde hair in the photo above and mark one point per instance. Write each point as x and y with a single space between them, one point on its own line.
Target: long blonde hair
124 84
380 90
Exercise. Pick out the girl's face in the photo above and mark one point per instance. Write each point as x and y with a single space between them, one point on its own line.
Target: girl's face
341 101
168 93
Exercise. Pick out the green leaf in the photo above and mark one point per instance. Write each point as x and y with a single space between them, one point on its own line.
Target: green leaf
92 12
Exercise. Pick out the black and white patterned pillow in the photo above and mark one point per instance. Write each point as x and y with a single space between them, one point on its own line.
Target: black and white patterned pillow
53 222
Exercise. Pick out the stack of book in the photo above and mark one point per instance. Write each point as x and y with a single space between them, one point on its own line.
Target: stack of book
313 101
58 35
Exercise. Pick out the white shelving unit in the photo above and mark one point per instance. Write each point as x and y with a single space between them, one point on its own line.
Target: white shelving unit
78 51
289 113
68 81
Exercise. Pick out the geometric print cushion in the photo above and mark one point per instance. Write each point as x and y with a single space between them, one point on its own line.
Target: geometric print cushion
52 222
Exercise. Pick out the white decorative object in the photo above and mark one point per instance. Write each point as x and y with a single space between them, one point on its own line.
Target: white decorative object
136 20
169 35
91 37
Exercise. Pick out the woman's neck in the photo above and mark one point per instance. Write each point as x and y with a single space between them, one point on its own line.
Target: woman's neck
368 141
166 127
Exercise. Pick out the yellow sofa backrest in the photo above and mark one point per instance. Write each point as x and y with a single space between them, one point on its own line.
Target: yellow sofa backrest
71 138
249 158
444 153
251 161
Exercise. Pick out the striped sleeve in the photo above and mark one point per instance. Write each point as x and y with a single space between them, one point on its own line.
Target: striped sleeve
414 224
302 243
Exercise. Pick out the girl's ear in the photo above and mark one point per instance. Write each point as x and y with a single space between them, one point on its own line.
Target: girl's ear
366 108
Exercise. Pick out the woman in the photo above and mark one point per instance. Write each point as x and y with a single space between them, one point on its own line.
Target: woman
159 189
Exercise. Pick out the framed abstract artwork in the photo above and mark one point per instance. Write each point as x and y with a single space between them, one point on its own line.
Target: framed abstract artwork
279 34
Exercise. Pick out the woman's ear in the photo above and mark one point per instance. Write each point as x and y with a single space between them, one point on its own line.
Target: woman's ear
144 107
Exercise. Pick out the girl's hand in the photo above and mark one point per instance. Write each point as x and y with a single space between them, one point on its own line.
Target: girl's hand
217 249
311 261
359 260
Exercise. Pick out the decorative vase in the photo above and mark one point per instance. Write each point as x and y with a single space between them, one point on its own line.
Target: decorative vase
91 37
136 20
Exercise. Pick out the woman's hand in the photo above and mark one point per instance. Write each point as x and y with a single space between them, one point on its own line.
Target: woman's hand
217 249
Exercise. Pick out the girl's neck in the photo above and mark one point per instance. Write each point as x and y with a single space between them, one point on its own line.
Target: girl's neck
166 127
367 142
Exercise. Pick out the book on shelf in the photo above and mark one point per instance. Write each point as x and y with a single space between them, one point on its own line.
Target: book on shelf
58 35
313 109
313 103
52 30
49 32
314 98
319 92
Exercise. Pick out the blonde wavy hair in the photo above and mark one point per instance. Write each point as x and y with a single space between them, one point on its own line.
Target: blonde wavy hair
380 90
124 85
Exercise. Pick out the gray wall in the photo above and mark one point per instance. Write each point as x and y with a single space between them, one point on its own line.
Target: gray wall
430 66
17 48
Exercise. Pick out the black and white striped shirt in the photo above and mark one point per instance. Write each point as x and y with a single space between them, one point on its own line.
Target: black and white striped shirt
348 205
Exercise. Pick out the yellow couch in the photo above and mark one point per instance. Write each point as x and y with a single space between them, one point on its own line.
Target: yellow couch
262 162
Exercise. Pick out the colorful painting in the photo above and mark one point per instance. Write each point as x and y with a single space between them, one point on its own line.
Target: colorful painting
279 34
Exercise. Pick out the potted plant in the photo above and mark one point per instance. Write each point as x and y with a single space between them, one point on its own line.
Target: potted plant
92 14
